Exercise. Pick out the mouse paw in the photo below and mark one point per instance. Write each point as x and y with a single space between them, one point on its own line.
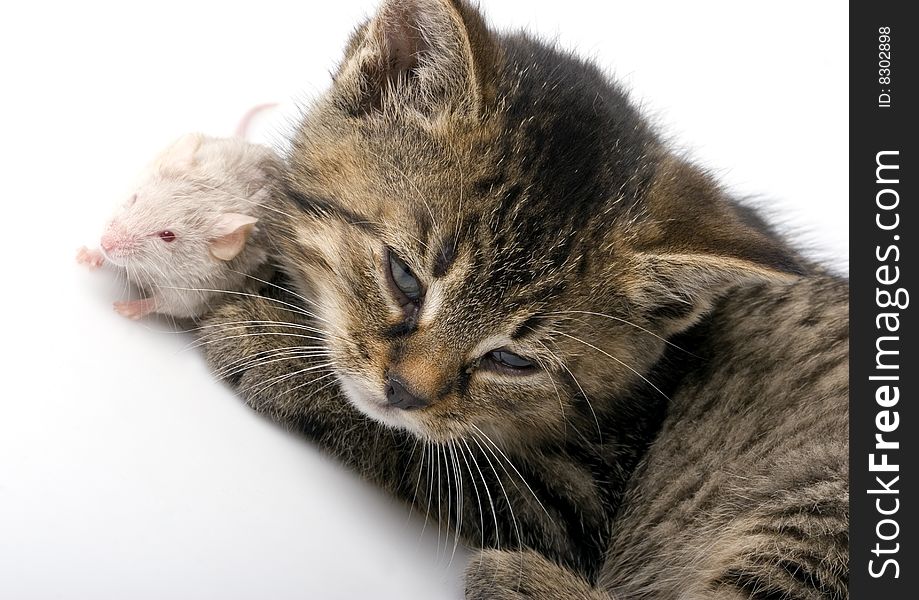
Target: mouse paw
91 258
135 309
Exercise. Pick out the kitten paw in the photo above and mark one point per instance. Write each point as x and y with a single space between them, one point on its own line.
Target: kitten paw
510 575
135 309
230 337
90 258
243 347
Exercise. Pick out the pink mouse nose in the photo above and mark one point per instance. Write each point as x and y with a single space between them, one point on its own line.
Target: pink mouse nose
108 242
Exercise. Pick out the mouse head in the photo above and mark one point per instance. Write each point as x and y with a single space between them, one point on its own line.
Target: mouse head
174 220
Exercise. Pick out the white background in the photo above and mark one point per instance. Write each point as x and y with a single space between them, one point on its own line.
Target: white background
125 471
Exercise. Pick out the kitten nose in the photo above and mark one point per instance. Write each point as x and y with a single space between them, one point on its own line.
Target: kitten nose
399 395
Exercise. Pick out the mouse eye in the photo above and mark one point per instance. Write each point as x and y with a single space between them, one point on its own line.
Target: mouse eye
167 236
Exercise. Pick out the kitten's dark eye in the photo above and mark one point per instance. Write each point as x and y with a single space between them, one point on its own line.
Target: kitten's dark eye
403 280
167 236
508 362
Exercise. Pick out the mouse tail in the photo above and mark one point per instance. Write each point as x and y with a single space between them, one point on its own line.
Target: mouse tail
242 129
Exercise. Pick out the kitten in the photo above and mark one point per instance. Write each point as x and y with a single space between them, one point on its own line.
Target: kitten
503 297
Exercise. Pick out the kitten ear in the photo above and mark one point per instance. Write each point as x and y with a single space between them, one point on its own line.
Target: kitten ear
678 289
431 56
180 156
230 235
694 244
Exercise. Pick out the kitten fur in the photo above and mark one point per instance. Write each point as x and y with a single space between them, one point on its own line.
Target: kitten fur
682 431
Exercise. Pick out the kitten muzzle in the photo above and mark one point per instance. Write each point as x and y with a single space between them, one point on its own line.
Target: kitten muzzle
399 395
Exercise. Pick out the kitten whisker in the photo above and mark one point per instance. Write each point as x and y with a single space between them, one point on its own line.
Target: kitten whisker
439 497
208 342
443 450
460 500
283 289
292 307
280 378
267 361
512 466
414 498
430 474
608 355
507 498
578 384
491 502
478 498
255 324
298 350
252 324
311 382
626 322
561 405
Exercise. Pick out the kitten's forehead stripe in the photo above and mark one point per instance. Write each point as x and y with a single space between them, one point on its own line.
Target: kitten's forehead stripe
445 257
423 226
527 327
325 207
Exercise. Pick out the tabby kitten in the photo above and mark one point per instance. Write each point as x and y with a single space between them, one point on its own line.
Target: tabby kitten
503 299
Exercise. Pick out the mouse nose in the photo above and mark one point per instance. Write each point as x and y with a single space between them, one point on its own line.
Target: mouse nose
108 242
399 395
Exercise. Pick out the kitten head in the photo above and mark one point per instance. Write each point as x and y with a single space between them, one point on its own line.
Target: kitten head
492 236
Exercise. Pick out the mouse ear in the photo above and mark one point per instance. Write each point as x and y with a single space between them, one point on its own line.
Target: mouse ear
180 156
231 234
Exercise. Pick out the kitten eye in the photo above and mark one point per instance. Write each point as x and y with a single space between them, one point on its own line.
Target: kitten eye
403 280
167 236
508 362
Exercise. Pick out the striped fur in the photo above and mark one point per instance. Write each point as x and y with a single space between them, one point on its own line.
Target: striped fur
683 431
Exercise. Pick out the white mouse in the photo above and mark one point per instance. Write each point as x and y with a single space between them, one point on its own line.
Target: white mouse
191 228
